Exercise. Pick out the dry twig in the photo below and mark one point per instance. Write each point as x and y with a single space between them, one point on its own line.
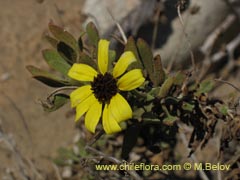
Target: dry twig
96 137
56 170
226 82
19 159
194 158
215 58
186 36
119 27
113 160
211 39
156 22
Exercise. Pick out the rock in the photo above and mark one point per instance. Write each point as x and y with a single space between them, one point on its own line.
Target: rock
131 14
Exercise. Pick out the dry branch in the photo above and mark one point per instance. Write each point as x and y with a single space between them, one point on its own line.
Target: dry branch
113 160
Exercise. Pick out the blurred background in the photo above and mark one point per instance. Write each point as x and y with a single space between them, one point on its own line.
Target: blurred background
210 29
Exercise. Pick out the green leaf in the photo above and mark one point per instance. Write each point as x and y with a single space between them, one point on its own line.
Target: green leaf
52 104
165 88
47 78
130 139
159 74
179 78
51 41
67 154
131 46
149 117
56 61
81 146
205 87
146 57
169 120
80 41
112 57
67 52
85 59
224 110
92 33
63 36
59 161
187 106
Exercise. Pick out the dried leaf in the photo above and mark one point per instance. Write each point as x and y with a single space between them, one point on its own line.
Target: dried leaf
55 103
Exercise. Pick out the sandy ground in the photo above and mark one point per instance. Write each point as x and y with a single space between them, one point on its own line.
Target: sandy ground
22 24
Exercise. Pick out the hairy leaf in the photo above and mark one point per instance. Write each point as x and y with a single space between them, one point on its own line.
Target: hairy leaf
80 43
85 59
179 78
67 52
65 155
56 61
131 46
187 106
146 57
51 41
159 74
112 56
165 87
47 78
205 87
63 36
92 33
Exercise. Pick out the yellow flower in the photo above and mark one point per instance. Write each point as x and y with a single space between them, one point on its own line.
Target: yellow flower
101 97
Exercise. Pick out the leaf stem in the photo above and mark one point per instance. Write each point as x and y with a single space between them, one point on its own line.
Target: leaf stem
61 89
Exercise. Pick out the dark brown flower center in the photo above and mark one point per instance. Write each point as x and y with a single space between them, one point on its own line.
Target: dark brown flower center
104 87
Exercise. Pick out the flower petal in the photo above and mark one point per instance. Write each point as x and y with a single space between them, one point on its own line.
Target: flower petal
103 46
82 72
84 106
80 94
122 64
120 108
92 117
110 124
131 80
